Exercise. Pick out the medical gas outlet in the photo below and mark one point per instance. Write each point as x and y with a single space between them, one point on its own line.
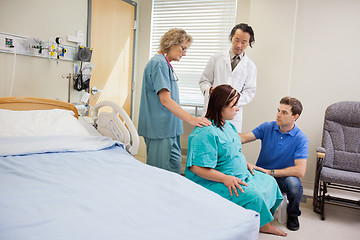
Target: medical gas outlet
37 44
57 50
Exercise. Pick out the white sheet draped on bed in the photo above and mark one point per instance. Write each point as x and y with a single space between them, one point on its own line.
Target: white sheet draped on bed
90 188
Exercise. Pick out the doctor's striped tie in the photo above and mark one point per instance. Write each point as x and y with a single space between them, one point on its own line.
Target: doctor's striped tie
235 61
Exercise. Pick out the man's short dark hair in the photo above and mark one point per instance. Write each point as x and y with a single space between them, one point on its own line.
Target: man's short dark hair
296 106
245 28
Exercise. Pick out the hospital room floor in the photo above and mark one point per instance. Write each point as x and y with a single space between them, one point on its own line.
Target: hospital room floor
339 223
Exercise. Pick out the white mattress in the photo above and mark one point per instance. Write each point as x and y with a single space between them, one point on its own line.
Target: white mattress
91 188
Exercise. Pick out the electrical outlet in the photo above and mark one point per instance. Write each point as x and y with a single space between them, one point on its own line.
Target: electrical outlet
6 43
9 42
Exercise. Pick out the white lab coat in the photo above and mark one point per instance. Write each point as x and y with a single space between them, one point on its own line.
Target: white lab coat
243 79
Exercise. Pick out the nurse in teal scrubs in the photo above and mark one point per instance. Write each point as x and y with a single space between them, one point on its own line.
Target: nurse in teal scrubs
216 162
160 117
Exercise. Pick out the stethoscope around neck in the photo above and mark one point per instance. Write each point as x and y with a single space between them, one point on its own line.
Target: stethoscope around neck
171 67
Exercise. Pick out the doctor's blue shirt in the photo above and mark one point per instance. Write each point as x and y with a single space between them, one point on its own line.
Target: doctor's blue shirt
155 120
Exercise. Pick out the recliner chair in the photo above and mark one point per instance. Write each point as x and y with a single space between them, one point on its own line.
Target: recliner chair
338 164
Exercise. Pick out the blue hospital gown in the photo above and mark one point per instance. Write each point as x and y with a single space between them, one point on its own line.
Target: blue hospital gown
219 149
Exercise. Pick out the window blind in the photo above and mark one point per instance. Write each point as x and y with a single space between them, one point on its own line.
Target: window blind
209 22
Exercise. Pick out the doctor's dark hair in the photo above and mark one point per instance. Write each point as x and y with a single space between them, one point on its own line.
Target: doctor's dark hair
245 28
296 106
220 98
174 36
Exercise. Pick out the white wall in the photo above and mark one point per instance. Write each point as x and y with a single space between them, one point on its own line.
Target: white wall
43 19
307 49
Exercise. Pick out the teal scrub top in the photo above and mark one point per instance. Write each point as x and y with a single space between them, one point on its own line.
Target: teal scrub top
221 150
218 149
155 120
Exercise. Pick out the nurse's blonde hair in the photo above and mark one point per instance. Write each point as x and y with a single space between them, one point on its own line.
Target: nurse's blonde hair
174 36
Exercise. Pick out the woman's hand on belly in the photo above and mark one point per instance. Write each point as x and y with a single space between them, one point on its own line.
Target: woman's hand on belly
233 183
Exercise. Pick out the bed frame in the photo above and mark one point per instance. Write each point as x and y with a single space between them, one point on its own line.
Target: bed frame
32 103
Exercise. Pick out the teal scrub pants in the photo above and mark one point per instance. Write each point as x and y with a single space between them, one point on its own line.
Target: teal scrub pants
164 153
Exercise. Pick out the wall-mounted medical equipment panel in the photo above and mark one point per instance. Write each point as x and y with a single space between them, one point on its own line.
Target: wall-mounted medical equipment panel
51 49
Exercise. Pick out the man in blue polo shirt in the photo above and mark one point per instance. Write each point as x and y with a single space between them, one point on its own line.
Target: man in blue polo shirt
284 153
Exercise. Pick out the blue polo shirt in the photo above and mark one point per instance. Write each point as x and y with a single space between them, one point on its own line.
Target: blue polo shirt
280 150
155 120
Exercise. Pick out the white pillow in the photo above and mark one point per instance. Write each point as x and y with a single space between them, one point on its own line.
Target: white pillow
40 123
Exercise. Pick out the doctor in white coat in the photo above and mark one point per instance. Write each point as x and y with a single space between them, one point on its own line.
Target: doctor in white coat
232 67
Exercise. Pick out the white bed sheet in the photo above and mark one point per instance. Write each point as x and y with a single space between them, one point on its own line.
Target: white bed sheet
67 190
87 122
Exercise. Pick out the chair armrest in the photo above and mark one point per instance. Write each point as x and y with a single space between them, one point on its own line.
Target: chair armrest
320 152
321 149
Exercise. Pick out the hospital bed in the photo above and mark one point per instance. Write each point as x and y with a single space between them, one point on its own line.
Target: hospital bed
61 179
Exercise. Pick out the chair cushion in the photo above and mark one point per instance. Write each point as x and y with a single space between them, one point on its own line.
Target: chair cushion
346 113
340 176
341 137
